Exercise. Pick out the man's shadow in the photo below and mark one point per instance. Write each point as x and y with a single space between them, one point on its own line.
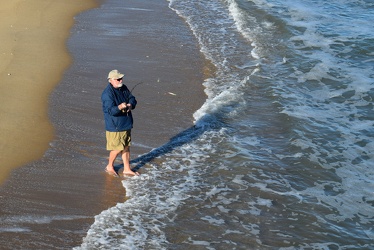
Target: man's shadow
178 140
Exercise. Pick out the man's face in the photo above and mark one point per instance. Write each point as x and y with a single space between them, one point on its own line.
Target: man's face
116 83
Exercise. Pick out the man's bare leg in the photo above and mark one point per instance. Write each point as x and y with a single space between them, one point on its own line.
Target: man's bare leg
126 162
112 157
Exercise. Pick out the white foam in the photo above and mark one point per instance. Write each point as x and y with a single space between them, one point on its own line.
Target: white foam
140 9
233 232
215 190
213 221
14 230
199 242
39 219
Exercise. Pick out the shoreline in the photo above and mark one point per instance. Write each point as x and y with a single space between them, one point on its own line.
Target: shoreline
34 57
67 187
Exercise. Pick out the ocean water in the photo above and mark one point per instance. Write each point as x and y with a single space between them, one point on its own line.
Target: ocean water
281 155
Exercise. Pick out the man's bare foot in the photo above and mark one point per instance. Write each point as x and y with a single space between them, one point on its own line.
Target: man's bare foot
111 171
131 173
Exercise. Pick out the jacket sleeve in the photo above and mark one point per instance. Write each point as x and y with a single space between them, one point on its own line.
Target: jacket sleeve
132 101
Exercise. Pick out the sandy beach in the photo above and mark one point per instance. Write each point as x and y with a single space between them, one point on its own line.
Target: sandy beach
57 182
33 59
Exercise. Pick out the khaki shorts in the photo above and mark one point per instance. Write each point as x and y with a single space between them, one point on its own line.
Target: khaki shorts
118 140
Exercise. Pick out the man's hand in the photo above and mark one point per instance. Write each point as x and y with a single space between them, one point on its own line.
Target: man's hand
122 106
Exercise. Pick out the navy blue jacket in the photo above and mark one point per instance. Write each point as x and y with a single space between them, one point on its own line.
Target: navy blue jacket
115 119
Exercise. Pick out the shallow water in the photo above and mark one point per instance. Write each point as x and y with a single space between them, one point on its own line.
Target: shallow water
281 153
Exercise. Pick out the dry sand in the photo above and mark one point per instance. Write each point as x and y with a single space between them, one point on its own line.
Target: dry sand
51 202
33 58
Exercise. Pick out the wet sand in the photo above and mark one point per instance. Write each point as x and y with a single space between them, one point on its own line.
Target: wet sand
51 202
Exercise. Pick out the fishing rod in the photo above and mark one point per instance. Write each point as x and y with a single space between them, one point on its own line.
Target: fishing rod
135 86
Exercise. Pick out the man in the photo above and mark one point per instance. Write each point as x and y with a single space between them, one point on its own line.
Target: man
117 103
